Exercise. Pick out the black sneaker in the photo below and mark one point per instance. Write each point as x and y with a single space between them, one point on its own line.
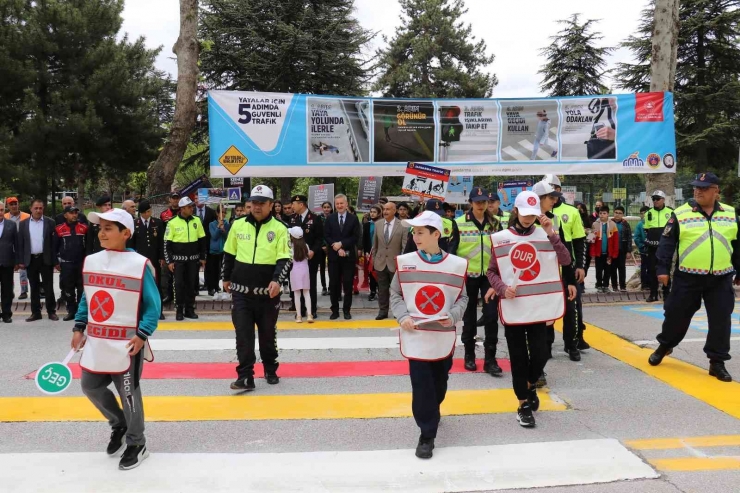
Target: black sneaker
524 416
533 399
492 368
68 317
272 378
133 457
542 381
583 345
573 353
117 441
244 384
424 448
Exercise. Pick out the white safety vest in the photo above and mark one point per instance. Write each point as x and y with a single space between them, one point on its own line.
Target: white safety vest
429 290
113 285
539 291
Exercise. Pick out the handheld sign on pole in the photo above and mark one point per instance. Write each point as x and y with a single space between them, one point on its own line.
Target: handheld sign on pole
524 259
55 378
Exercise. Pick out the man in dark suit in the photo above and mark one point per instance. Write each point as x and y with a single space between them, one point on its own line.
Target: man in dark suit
9 260
147 240
342 234
313 233
36 246
206 216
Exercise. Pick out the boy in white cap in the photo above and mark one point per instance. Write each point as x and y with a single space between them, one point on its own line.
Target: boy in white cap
115 280
428 299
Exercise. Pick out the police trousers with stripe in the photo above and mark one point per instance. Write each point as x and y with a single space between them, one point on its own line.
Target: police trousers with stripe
476 286
248 312
131 417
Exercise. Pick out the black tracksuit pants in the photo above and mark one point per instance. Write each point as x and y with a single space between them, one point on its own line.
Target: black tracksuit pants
684 301
428 390
527 353
476 286
247 313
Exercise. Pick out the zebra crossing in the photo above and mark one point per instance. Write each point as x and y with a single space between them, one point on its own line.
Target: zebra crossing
522 150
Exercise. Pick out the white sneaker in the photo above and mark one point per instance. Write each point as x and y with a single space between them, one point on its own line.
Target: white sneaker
310 318
298 320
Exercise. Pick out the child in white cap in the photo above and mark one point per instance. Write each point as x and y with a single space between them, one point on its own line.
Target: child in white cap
300 280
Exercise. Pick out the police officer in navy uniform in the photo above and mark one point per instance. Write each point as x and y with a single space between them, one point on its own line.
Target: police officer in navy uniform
705 232
147 240
313 233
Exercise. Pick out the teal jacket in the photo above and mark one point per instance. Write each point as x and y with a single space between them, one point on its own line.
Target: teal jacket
640 236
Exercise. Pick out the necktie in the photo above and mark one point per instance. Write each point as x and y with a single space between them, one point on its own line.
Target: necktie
341 222
387 231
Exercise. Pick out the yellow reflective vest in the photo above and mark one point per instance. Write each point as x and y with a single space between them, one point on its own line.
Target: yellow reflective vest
704 245
475 245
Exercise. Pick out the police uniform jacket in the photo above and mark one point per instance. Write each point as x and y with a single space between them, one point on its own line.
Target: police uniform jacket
313 231
185 240
149 241
69 242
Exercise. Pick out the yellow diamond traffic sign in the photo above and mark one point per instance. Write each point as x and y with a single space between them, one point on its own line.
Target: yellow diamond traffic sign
233 160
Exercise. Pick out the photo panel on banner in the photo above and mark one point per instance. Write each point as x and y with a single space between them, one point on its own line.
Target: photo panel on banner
256 134
508 190
458 189
368 193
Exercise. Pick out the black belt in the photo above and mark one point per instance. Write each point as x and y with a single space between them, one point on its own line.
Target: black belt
37 255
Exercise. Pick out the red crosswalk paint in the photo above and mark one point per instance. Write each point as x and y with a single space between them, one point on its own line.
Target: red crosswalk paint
205 371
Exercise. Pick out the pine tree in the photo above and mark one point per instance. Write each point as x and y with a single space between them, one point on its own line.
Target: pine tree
707 88
91 104
293 46
575 65
434 54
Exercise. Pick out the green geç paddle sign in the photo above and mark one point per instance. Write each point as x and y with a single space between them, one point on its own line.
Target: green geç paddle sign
55 378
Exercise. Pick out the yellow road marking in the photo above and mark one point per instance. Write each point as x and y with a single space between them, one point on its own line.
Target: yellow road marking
677 443
680 375
257 407
696 463
288 325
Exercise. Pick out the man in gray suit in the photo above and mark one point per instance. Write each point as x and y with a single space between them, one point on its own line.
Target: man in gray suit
8 263
36 240
388 243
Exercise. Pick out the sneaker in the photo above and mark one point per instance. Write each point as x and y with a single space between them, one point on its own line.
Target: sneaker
68 317
272 378
23 296
310 318
542 381
133 457
533 399
244 384
524 416
424 448
298 320
117 441
622 290
554 153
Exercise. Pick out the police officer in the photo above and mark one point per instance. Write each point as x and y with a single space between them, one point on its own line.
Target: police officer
450 233
70 249
705 232
185 250
166 276
575 241
476 228
313 233
257 260
656 220
92 243
147 240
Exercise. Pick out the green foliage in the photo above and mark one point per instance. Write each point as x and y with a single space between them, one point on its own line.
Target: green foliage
76 102
707 87
575 65
434 54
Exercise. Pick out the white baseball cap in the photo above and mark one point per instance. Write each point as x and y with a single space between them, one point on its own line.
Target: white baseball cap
261 193
426 218
528 204
115 215
658 193
551 179
184 202
296 232
544 188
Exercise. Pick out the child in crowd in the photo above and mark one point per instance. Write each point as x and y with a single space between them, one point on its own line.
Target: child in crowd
299 277
605 248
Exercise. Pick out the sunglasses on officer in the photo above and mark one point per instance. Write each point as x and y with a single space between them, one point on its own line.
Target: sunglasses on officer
656 198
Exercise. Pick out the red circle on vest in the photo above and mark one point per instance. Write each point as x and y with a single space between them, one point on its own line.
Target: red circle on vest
430 300
531 273
523 256
101 306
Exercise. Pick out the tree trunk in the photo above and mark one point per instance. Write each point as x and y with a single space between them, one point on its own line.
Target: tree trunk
662 78
161 173
286 188
81 192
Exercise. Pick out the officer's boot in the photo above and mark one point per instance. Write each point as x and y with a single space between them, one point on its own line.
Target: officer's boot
717 369
490 365
470 358
178 313
657 357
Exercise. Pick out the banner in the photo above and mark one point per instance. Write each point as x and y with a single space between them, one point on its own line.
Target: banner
458 189
318 194
428 182
275 134
218 195
368 193
508 190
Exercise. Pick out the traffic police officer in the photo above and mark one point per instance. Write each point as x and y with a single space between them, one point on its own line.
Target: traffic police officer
450 238
705 232
476 228
185 250
257 259
313 234
575 241
656 220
